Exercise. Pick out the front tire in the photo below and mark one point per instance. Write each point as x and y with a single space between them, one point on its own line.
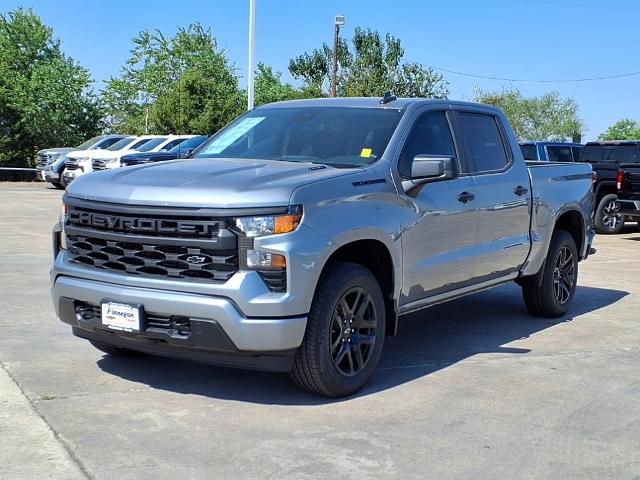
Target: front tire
63 181
345 332
607 221
554 296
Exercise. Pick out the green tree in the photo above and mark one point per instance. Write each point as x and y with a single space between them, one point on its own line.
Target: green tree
45 97
270 88
182 84
545 117
625 129
370 67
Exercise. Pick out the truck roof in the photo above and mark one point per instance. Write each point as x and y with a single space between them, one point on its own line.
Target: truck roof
551 144
369 102
616 142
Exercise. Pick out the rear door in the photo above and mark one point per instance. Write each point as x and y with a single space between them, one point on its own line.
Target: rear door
502 194
438 240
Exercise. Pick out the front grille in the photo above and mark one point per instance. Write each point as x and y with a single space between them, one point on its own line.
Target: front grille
98 164
42 161
71 164
195 248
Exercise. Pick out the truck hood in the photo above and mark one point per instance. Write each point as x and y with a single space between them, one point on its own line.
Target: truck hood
212 183
85 153
49 151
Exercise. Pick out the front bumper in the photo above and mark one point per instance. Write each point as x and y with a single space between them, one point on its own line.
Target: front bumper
50 176
71 175
218 332
628 208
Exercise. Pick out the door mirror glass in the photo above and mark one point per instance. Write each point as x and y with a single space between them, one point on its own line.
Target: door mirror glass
432 167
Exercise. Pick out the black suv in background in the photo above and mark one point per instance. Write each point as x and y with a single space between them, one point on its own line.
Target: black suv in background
605 158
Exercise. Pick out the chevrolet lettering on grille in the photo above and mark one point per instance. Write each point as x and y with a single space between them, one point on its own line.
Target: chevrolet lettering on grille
143 225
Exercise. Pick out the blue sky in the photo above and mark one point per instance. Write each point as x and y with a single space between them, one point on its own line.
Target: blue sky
517 39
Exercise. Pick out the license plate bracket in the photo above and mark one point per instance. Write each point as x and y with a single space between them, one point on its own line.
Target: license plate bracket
122 316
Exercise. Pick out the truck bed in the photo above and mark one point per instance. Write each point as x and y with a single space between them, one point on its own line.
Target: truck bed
554 188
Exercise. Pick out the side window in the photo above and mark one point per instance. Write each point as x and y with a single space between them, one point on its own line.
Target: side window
559 154
626 154
529 152
430 135
109 141
172 144
577 151
483 141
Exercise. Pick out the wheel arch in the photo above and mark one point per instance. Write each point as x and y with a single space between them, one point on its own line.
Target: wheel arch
606 187
572 222
375 256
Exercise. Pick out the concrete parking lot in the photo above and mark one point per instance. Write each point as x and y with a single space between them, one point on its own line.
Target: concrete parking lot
476 388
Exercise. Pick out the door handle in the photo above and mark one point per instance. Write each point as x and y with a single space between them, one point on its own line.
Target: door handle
465 197
520 190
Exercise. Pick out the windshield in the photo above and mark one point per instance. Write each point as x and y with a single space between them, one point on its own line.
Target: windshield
188 143
336 136
151 144
120 144
89 143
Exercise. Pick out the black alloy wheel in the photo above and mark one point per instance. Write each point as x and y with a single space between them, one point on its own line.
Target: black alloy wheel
353 331
564 275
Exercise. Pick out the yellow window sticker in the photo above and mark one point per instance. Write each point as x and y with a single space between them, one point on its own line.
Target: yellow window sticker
366 152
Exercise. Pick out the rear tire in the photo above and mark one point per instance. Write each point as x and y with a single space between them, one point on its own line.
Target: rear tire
115 351
607 222
554 296
59 186
345 332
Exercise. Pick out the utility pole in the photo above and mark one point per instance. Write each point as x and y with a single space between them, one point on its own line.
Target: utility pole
339 22
252 47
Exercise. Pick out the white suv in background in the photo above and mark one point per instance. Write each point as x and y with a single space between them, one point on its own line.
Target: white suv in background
107 160
79 162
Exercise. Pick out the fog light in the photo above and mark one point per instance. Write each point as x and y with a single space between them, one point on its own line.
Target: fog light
257 259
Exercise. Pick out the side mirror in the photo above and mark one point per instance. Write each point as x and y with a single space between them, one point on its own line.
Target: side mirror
186 153
432 167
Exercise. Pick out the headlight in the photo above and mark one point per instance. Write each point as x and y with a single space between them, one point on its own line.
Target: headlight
261 226
269 225
53 157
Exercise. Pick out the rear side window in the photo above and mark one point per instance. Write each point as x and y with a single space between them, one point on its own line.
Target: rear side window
625 154
529 152
430 135
483 141
577 151
559 154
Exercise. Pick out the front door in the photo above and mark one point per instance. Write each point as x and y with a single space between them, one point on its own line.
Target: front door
439 235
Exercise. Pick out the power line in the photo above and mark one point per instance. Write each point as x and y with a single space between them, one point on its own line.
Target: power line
572 80
581 5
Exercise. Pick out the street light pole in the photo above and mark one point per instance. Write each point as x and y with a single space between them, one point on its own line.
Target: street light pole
339 22
252 47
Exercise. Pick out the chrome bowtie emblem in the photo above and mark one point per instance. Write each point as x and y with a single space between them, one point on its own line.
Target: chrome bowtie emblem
196 259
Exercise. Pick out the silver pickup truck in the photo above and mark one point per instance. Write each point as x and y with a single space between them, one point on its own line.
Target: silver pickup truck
301 232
